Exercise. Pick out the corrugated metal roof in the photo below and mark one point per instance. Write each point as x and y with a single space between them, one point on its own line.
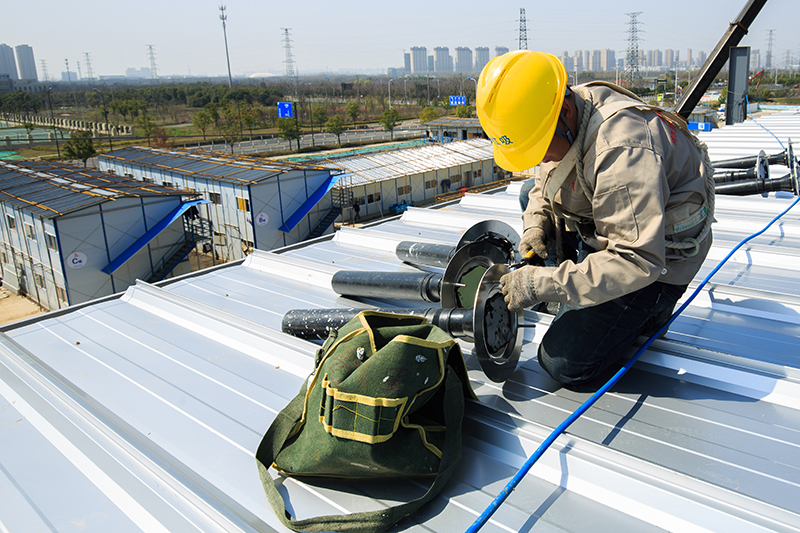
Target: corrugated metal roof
143 411
52 189
242 169
375 167
454 122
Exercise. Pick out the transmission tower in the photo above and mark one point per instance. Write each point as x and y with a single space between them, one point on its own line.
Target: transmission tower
223 17
44 70
78 66
291 73
770 42
66 64
632 56
153 69
89 67
523 30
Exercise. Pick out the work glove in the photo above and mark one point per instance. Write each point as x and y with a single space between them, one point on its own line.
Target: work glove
534 238
518 289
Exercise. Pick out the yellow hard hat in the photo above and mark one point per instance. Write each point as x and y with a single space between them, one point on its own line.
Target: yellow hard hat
519 99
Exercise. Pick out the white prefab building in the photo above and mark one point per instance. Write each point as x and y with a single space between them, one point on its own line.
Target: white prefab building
252 203
70 235
382 181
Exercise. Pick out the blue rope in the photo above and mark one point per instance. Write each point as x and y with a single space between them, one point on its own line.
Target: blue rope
509 488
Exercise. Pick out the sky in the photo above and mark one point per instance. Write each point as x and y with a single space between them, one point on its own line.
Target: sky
353 35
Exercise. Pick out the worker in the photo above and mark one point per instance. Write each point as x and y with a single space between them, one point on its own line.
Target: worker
627 182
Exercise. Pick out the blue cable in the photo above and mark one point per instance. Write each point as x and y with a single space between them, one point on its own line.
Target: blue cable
509 488
747 102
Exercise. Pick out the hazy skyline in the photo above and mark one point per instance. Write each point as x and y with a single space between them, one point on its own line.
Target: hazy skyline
355 35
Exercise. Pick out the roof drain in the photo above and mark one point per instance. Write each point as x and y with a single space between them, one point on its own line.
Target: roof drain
483 518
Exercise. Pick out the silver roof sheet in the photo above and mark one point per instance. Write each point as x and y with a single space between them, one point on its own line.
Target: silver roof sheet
207 164
143 411
389 165
50 189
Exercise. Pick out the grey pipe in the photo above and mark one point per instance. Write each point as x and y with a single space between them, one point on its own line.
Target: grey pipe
399 285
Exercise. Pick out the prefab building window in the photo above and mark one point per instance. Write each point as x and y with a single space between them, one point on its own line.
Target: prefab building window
244 203
29 231
52 243
12 224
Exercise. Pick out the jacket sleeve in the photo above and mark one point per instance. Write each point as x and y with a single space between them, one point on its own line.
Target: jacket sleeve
630 193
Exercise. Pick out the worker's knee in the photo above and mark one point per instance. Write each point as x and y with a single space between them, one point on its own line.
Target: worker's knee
566 370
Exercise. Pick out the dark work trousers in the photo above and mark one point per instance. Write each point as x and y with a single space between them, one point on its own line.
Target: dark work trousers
583 341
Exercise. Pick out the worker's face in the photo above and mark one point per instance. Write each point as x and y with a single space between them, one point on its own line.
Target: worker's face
559 146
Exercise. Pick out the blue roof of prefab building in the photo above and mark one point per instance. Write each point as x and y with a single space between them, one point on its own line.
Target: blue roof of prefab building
50 189
242 169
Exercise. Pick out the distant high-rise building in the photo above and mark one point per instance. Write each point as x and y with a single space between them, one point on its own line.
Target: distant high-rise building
407 62
587 60
607 59
689 63
26 63
430 64
7 63
500 50
567 61
69 76
594 61
701 58
442 62
419 60
669 58
481 57
463 59
578 61
755 59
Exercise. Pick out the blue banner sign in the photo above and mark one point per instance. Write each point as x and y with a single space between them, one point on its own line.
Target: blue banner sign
285 110
458 100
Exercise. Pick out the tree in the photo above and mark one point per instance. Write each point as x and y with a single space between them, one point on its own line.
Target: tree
464 111
202 120
289 130
335 125
390 119
29 127
161 138
230 124
79 146
352 110
319 115
428 114
147 125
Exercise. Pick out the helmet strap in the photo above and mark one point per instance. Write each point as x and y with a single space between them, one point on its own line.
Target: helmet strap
561 133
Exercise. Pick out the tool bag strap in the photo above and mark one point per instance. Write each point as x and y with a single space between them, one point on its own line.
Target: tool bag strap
370 521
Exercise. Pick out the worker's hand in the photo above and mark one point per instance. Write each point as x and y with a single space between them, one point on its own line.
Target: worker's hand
518 289
534 238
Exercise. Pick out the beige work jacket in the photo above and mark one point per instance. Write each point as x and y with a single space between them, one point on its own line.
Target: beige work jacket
638 165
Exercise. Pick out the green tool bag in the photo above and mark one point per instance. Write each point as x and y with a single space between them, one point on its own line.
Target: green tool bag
386 401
